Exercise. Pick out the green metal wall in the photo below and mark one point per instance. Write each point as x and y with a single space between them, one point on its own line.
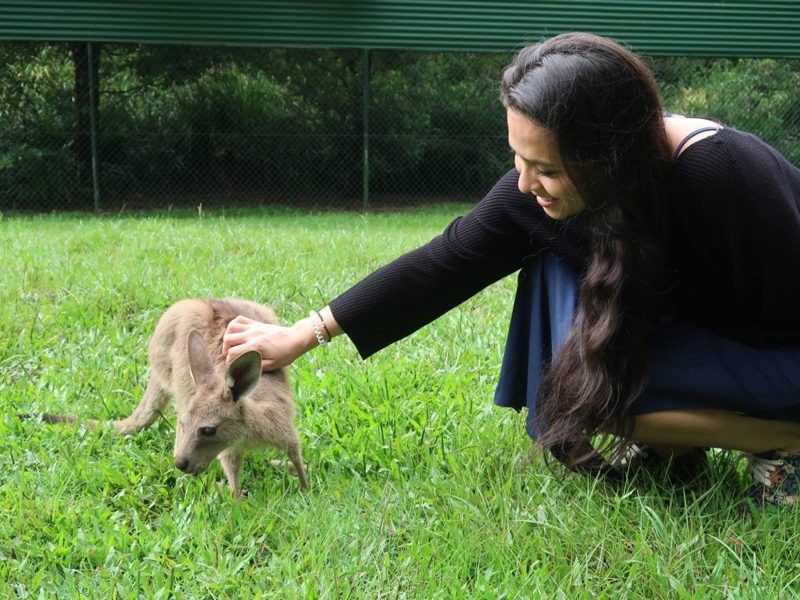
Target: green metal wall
669 27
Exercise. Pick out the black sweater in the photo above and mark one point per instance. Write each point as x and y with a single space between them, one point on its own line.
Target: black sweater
735 249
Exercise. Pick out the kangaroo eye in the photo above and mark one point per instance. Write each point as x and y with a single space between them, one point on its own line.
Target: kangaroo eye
208 431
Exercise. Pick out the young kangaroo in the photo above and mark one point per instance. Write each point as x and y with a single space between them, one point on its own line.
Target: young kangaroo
222 412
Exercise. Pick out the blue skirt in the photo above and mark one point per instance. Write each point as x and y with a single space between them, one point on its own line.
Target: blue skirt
690 367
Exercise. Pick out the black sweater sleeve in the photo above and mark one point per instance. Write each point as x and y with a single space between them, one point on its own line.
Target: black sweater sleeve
475 250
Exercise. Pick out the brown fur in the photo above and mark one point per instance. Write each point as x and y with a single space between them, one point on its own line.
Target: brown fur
245 408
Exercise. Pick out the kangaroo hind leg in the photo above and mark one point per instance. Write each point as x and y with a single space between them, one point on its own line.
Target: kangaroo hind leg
291 444
150 406
296 458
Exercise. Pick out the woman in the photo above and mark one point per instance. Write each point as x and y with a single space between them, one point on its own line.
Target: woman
660 256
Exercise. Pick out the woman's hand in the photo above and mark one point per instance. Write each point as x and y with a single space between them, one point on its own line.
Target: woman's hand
278 345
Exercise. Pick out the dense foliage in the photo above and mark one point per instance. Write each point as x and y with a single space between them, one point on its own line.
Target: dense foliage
232 125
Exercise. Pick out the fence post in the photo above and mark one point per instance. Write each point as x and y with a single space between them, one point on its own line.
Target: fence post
365 125
93 129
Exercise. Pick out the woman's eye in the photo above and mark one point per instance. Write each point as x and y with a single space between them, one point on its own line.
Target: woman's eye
208 431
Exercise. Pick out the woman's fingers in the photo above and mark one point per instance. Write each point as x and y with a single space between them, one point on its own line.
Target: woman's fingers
240 323
238 333
278 345
234 352
229 340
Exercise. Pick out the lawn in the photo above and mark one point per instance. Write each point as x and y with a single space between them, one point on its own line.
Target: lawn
421 487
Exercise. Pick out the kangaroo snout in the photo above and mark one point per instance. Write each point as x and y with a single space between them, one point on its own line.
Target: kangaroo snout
185 465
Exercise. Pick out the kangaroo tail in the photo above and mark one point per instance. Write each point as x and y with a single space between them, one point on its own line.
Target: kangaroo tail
53 419
56 419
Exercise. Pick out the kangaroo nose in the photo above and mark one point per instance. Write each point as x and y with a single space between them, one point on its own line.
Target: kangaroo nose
182 464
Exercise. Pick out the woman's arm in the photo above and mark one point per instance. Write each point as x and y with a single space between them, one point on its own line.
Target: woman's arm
474 251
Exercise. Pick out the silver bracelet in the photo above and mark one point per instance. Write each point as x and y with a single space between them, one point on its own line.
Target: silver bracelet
318 324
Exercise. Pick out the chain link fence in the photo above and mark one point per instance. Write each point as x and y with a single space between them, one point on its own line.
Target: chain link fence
184 126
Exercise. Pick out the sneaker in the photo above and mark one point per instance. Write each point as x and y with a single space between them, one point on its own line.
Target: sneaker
687 469
776 478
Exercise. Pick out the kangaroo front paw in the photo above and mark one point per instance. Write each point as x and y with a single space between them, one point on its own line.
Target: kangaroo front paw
286 464
238 494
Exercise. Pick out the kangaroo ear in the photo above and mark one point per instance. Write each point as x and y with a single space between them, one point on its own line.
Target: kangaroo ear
243 374
200 365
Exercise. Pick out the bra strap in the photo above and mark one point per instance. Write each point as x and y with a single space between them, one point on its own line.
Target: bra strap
690 136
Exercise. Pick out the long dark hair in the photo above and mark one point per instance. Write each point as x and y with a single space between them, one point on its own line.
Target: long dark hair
601 104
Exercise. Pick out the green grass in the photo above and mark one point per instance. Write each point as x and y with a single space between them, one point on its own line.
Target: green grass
421 488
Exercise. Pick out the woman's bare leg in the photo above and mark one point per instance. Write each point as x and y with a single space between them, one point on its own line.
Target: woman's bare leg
671 431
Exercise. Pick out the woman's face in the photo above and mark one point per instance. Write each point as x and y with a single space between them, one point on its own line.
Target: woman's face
541 173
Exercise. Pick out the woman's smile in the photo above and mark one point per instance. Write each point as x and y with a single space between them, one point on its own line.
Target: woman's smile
545 202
